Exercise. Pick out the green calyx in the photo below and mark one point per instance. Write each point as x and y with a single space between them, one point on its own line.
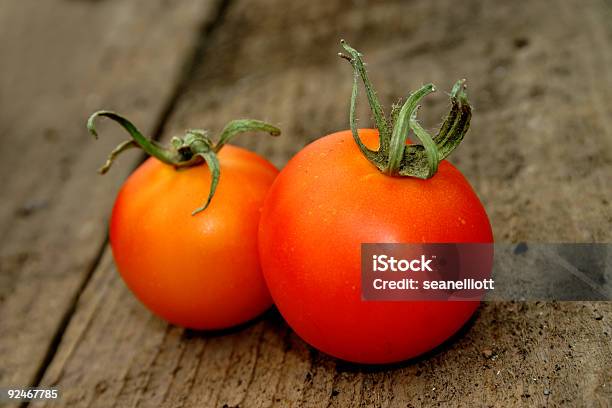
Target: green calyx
394 157
194 149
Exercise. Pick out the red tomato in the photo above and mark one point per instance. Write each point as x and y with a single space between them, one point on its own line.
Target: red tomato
326 202
200 271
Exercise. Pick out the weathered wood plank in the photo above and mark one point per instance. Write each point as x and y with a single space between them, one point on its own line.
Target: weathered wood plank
538 154
115 353
59 61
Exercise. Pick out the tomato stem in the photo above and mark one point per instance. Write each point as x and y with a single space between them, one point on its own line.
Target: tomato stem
400 130
194 149
236 127
394 157
151 147
377 111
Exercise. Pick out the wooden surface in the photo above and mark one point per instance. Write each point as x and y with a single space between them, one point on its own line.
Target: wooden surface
60 61
539 153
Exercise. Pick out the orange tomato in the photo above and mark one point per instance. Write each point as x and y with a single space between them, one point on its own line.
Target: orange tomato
200 271
184 226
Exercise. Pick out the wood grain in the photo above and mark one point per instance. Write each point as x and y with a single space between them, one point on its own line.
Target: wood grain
115 353
538 154
61 60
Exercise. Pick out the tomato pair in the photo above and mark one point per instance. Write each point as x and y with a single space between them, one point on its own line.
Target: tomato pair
207 271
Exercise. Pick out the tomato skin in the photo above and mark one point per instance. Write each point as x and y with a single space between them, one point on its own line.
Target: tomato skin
202 271
326 202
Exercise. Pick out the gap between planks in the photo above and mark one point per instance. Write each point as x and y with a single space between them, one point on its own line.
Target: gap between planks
187 72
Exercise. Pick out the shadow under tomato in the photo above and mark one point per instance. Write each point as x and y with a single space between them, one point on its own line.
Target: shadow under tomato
273 319
346 366
269 316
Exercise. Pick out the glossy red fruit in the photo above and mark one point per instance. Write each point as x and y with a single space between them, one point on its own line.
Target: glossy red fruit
368 186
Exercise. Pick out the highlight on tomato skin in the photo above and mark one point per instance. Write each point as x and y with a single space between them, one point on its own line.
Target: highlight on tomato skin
183 230
366 186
